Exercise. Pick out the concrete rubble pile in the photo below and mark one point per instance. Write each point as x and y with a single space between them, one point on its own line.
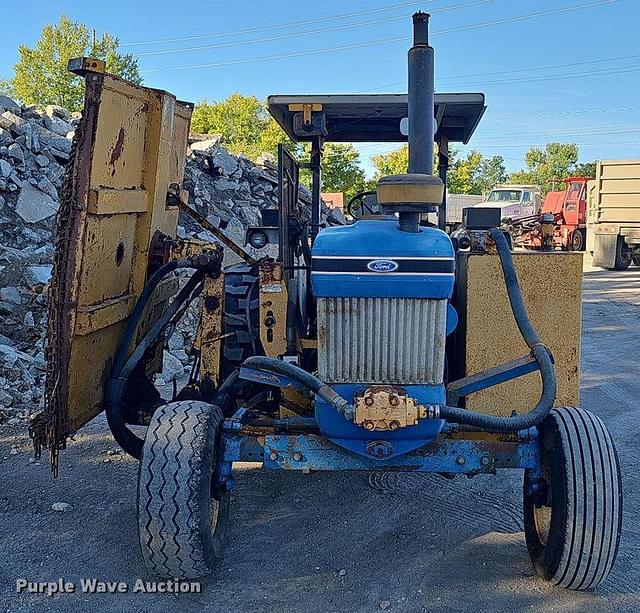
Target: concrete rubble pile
35 144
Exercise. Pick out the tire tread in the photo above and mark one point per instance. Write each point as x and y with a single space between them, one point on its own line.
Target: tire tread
593 499
169 487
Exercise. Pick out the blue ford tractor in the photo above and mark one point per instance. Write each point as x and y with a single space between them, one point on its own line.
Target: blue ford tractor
349 350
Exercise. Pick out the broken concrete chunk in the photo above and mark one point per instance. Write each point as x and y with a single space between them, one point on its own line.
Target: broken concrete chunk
5 168
34 205
9 104
10 294
57 125
38 275
53 110
15 151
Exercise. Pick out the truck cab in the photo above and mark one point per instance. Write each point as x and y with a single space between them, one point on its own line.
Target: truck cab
514 201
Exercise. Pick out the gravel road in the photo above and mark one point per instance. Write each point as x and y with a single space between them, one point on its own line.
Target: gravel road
331 542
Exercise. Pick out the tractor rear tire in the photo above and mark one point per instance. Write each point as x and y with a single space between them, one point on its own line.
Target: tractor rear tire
241 317
573 526
182 521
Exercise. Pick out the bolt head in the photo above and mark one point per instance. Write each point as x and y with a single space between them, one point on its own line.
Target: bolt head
297 456
273 456
394 425
484 460
460 460
368 401
369 425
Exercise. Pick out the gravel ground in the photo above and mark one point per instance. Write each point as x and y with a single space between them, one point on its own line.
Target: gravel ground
331 542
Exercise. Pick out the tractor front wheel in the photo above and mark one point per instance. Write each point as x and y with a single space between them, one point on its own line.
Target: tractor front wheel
573 514
182 518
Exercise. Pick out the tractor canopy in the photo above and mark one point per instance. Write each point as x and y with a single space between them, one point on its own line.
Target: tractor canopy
356 118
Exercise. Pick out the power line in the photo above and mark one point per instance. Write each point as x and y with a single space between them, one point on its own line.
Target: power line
548 67
559 134
280 26
385 40
518 79
317 31
537 79
628 109
348 26
579 144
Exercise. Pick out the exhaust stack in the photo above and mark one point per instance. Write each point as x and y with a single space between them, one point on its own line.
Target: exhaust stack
418 191
421 98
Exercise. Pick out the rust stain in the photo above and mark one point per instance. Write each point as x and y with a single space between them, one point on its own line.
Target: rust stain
117 150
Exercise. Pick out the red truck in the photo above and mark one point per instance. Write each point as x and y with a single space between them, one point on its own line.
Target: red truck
567 211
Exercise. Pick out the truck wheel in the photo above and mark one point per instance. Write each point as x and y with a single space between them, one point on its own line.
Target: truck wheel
572 524
623 255
181 521
241 316
577 240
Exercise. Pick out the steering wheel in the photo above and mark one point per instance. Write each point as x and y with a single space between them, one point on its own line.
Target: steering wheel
358 202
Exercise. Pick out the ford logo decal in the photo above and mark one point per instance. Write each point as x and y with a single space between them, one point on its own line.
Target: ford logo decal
382 265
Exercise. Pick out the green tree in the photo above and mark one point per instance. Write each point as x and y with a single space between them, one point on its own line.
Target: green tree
394 162
243 122
491 172
41 75
546 166
587 169
463 174
341 170
7 89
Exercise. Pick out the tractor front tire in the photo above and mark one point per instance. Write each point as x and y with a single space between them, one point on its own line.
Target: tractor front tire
572 526
182 521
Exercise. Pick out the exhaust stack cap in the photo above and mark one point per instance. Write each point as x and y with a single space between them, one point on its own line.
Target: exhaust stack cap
420 28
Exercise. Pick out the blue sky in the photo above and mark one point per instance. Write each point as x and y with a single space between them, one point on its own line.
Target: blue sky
495 46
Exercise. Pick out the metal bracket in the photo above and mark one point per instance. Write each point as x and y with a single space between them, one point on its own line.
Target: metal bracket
488 378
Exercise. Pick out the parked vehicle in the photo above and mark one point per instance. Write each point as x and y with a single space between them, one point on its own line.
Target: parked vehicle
515 201
613 214
562 221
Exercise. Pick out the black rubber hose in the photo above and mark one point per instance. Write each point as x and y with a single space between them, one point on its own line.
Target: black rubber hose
538 350
118 382
297 374
138 309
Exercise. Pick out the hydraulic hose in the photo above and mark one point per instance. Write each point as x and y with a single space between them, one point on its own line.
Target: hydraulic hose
307 380
138 309
539 351
118 382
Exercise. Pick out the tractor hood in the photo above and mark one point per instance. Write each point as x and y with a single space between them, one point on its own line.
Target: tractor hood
374 258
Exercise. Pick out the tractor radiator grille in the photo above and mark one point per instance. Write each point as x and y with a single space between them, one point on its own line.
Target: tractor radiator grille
381 340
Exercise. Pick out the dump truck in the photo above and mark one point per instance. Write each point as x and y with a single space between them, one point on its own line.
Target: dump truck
382 345
562 222
613 214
